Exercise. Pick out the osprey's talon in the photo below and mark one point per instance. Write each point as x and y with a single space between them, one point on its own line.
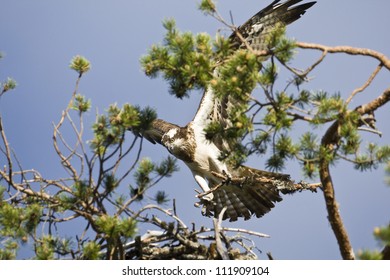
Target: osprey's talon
243 182
204 203
206 198
228 178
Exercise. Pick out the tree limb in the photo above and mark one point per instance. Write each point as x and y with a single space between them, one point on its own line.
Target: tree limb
374 104
366 84
330 139
347 50
334 216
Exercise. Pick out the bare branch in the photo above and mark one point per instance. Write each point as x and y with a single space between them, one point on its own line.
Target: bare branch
348 50
7 153
245 231
217 226
375 104
366 84
64 160
166 212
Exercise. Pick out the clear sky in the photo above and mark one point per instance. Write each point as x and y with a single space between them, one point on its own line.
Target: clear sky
39 38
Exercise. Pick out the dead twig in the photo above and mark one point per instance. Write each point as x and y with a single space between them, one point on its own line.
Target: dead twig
366 84
217 230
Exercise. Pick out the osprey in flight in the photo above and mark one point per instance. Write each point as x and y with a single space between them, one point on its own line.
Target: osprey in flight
260 189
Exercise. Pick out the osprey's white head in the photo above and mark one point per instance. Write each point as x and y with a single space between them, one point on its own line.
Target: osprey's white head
180 142
172 141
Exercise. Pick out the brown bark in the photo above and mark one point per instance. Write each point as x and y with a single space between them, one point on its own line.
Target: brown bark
374 104
348 50
332 207
332 137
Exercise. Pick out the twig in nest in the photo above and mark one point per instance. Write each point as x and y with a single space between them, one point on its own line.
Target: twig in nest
217 229
249 232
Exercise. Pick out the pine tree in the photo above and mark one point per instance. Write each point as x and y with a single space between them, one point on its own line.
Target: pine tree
97 191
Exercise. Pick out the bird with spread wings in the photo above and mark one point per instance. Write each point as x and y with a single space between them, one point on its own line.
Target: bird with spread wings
258 192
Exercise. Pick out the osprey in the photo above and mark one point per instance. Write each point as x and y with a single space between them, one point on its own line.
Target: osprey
259 190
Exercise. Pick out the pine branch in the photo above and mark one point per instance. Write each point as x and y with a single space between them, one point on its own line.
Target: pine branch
330 139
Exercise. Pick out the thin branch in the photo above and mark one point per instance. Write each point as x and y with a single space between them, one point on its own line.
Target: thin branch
374 131
245 231
120 157
166 212
239 239
315 64
217 226
79 142
65 162
65 219
383 59
366 84
300 117
7 153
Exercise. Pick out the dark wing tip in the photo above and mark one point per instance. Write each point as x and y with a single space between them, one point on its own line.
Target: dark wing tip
284 12
296 12
256 28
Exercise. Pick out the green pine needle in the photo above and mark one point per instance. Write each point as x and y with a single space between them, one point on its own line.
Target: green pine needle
80 64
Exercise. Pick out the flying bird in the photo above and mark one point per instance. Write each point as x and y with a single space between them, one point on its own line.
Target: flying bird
259 192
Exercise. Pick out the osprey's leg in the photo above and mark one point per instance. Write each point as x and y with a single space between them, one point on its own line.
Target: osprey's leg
228 177
202 182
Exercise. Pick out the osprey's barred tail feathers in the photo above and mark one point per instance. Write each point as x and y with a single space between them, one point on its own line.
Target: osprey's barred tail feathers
255 193
242 202
255 30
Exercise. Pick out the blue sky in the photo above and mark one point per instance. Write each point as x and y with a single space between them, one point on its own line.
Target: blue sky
39 38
